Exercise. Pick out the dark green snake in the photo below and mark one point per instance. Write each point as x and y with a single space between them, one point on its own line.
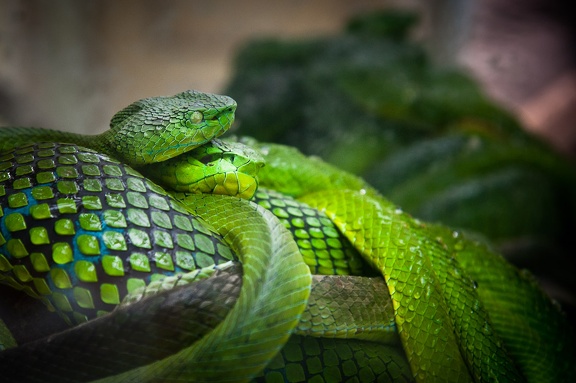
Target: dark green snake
211 280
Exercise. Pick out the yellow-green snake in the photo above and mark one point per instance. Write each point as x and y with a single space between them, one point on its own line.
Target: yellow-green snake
210 277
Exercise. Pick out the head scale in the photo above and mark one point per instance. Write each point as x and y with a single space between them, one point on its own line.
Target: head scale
159 128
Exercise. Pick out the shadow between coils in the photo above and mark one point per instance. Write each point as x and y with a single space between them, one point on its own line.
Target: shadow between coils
130 336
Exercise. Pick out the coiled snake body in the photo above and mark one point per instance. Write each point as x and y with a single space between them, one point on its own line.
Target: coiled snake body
208 278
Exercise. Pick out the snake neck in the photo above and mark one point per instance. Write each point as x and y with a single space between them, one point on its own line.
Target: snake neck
13 137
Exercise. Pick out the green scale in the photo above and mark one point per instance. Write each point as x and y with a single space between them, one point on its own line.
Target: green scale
80 230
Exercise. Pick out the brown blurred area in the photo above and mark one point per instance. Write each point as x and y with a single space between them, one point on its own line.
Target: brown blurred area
523 52
70 65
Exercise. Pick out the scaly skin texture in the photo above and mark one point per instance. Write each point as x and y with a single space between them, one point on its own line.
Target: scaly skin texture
226 168
327 343
61 235
421 292
472 282
275 289
82 231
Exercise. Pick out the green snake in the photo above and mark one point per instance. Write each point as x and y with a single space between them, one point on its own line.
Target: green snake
215 275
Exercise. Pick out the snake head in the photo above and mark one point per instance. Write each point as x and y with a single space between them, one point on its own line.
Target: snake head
218 167
159 128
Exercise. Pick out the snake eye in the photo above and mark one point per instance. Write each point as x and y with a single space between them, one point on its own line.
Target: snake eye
196 117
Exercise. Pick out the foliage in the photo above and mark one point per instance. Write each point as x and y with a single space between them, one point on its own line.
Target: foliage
369 101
